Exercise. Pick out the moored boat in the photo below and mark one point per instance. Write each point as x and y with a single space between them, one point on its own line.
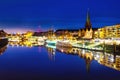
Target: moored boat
64 43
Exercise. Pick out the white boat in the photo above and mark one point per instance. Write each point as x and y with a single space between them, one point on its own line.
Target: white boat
64 43
51 42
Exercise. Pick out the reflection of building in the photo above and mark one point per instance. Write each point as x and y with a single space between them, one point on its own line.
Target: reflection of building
51 53
88 62
109 62
21 43
29 42
3 45
66 50
88 56
3 42
2 50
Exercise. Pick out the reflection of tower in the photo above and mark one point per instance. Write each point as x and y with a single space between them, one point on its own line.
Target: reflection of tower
88 61
51 53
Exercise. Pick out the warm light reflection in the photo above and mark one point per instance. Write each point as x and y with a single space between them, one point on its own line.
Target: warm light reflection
29 42
103 58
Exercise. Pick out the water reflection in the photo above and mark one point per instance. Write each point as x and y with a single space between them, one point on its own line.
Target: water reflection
51 53
110 60
3 49
3 45
26 43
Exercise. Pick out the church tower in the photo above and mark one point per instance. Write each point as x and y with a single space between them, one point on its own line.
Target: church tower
88 23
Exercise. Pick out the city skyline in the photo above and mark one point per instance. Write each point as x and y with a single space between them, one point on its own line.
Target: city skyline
59 14
59 40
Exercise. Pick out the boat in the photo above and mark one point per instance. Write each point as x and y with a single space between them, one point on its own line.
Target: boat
51 42
63 43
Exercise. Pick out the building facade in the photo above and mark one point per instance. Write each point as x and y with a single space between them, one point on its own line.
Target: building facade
108 32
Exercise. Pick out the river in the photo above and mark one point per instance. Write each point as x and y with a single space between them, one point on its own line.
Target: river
45 63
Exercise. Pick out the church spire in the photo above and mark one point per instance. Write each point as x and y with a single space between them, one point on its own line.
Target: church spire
88 23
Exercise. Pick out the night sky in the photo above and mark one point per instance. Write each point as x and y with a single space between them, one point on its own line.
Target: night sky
42 14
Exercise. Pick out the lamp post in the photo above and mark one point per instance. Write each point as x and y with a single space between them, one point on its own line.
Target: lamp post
83 43
114 51
104 49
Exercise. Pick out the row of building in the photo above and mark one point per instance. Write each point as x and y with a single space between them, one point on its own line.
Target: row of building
108 32
86 33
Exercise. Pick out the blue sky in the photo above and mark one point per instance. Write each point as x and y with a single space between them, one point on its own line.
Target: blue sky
58 13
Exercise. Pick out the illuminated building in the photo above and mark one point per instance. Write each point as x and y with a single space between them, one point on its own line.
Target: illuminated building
88 32
109 32
3 33
28 34
51 34
67 34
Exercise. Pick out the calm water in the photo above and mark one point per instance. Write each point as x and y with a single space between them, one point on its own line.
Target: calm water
41 63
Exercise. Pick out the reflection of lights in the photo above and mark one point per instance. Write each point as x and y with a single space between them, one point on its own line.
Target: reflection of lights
51 46
112 60
83 45
62 50
53 53
75 51
39 49
97 56
17 45
83 51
